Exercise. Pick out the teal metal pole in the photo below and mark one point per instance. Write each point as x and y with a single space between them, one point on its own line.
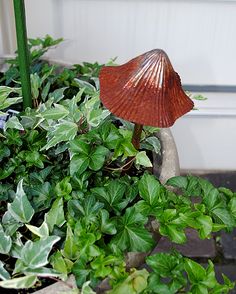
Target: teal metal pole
23 52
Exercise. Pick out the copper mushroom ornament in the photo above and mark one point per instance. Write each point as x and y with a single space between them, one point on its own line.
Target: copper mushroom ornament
146 91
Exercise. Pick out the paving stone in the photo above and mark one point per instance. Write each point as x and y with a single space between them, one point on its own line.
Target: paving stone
194 247
59 287
229 270
228 242
220 179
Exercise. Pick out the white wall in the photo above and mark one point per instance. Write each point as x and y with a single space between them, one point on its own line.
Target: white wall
199 37
7 28
206 138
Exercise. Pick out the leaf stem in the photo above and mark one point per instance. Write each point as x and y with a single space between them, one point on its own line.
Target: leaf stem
122 167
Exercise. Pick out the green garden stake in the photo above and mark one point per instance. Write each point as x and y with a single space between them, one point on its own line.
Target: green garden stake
23 53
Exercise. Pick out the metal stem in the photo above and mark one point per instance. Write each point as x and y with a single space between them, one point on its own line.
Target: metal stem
23 54
137 135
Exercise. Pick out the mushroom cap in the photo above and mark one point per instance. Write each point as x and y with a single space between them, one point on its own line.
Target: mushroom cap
146 90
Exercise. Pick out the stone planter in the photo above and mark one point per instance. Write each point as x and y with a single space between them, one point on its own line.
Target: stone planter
165 166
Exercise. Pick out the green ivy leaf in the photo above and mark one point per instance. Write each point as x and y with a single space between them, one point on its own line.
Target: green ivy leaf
109 135
63 188
196 273
21 208
132 234
232 206
87 208
112 195
55 216
174 232
206 226
35 254
149 189
107 225
34 158
178 182
4 152
70 250
78 164
58 263
135 283
79 146
97 158
165 264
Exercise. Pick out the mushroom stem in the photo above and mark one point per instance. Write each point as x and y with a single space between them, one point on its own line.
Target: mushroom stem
137 135
136 142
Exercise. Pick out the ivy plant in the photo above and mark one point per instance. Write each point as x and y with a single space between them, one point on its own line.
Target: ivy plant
68 207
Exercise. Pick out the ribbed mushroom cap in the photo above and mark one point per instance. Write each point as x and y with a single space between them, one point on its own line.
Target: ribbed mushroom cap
146 90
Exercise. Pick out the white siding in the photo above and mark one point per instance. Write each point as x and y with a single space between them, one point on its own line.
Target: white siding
199 37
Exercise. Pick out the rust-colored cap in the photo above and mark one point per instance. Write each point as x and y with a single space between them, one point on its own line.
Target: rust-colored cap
146 90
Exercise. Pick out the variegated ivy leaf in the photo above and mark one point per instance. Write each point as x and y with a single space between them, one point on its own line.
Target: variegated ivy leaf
63 131
58 94
19 283
5 241
20 208
86 289
56 112
35 254
4 275
142 159
41 231
13 123
5 91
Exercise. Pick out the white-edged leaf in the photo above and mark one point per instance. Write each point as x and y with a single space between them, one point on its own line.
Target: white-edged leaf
13 123
5 241
4 275
142 159
41 231
96 116
10 101
86 289
57 112
42 272
58 94
20 208
19 283
155 143
63 131
35 254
